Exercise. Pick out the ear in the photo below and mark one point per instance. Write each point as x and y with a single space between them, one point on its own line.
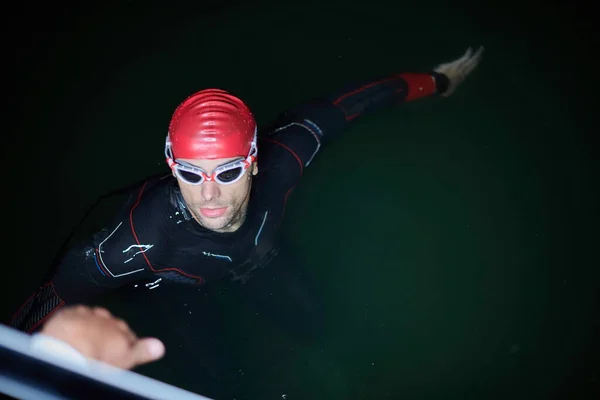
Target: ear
254 168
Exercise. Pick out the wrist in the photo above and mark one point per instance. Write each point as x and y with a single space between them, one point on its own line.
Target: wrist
442 82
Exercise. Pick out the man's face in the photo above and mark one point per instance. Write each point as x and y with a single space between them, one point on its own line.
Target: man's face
218 207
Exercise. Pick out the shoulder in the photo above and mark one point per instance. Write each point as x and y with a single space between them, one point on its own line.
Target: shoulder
153 190
153 203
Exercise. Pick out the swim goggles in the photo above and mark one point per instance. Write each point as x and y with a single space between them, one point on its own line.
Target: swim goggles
225 174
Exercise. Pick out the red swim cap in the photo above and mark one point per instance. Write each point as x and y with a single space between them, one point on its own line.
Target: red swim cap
211 124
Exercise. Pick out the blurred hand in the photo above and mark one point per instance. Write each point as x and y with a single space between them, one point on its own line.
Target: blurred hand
97 334
459 69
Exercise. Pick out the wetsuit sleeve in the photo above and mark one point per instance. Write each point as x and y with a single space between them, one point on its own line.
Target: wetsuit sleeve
300 133
107 260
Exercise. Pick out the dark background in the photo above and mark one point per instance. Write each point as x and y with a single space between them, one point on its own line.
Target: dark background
477 277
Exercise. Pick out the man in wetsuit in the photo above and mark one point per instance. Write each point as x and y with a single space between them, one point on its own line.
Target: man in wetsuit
217 214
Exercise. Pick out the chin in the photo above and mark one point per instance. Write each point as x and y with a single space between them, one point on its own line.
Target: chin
214 224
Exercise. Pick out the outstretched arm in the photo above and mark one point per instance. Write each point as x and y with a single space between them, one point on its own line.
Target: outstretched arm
301 131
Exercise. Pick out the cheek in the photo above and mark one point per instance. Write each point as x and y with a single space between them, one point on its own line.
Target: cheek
237 192
190 193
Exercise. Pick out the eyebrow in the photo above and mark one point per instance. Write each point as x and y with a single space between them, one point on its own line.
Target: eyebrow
220 165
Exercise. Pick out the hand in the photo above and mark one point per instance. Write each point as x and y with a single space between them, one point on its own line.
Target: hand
457 70
97 334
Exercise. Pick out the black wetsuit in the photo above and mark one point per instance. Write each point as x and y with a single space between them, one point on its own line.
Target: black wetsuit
154 239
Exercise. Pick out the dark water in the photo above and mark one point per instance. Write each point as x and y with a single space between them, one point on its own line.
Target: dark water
451 246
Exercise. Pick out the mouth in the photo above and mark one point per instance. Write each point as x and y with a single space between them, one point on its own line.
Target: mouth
213 212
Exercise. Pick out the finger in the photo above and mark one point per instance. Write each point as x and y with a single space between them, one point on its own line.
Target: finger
122 325
479 51
475 60
102 312
466 56
471 67
467 62
441 67
457 63
147 350
124 329
477 56
80 309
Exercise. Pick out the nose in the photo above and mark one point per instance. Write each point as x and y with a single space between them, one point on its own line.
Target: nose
210 190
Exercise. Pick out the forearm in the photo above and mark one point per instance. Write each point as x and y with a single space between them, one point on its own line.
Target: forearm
365 97
73 282
36 309
330 115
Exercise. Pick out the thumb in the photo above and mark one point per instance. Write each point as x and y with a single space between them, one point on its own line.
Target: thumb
147 350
